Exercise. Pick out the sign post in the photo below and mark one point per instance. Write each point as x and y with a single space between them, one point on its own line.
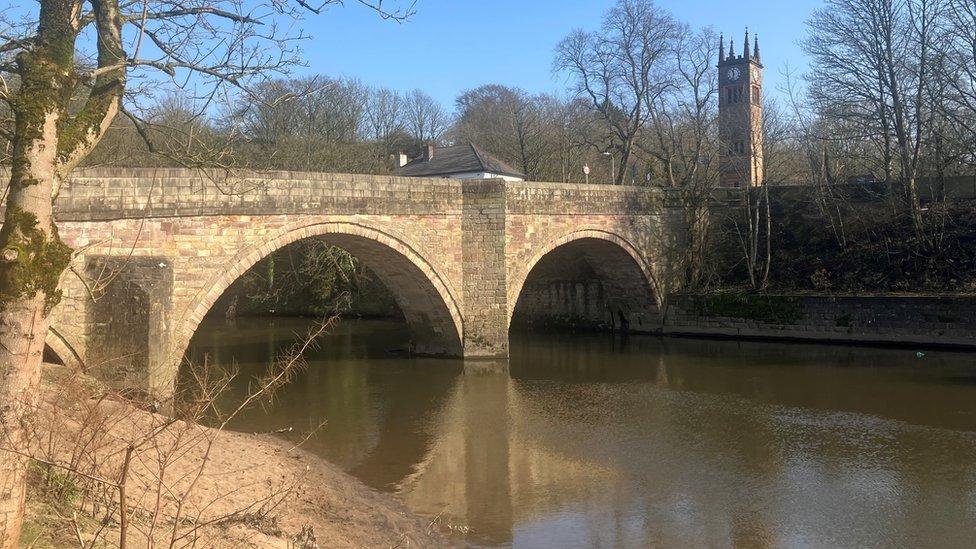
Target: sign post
586 172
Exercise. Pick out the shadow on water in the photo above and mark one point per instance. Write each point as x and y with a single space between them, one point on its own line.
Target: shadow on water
589 440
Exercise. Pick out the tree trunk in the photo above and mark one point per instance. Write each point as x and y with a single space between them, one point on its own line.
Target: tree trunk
32 259
769 237
24 326
618 178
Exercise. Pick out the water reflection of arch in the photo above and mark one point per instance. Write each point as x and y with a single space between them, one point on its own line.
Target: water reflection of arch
503 457
404 434
427 301
614 258
376 402
486 457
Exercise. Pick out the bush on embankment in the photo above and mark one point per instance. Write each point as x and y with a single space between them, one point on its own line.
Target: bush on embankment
852 247
308 278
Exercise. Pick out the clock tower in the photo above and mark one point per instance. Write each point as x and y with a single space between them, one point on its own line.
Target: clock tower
740 115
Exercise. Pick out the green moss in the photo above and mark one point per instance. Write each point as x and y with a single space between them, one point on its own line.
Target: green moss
48 80
58 487
56 32
31 261
77 131
44 89
764 308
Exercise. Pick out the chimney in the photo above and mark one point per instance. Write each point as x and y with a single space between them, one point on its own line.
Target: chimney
400 160
428 152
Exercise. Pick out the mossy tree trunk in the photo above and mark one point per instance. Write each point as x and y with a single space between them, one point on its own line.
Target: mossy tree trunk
48 143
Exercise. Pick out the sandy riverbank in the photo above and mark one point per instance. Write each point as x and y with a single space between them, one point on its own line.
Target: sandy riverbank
204 488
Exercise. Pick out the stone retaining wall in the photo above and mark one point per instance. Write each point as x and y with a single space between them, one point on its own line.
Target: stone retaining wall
909 320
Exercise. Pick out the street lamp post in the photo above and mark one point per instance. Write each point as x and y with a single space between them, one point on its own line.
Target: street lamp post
613 167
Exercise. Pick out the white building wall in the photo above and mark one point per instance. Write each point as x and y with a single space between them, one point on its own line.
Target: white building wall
482 175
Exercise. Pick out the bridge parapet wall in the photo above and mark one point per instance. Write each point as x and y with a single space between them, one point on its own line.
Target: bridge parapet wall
102 194
535 198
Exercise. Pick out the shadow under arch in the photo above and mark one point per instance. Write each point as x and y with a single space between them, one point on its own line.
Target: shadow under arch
428 304
585 277
56 343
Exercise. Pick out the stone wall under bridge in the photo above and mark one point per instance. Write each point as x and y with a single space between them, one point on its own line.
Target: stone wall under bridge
155 248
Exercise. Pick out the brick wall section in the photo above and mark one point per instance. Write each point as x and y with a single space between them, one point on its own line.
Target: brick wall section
880 319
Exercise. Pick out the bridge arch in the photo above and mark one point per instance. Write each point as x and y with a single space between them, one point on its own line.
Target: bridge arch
601 255
64 351
427 302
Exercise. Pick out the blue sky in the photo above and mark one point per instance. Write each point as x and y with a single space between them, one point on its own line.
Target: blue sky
453 45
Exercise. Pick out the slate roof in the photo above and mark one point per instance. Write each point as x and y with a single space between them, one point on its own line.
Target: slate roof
457 159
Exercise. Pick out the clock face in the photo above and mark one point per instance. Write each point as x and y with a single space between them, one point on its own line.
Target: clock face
733 73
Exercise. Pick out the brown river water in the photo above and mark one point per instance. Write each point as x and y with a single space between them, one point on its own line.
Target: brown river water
599 441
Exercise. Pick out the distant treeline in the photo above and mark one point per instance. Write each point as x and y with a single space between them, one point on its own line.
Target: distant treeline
890 96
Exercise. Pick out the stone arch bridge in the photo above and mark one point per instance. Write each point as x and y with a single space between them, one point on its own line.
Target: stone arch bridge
155 248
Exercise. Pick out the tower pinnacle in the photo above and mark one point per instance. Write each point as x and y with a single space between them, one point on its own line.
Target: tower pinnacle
740 112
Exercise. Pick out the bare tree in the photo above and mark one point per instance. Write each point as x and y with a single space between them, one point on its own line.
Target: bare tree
46 63
819 148
506 121
872 61
426 119
622 70
384 116
316 115
317 106
959 73
681 138
683 116
782 144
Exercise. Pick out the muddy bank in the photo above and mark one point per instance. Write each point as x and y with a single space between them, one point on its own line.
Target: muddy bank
189 485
